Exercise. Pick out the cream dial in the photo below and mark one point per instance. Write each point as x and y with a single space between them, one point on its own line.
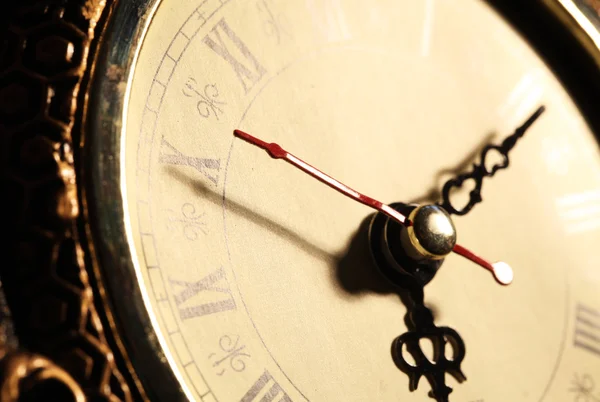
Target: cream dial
258 276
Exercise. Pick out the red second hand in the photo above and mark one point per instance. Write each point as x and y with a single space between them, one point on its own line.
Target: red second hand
276 152
501 271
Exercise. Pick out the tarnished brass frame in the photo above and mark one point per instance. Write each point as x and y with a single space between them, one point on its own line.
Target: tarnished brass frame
66 67
105 203
67 347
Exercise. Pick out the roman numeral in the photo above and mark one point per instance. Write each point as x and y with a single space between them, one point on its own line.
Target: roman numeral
208 167
247 68
587 329
216 282
329 18
265 389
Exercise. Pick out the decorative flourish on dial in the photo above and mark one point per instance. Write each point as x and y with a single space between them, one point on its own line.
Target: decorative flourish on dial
208 99
501 271
274 25
421 326
233 353
584 388
480 171
191 221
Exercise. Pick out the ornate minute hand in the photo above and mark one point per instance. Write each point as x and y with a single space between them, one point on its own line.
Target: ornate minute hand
502 272
480 171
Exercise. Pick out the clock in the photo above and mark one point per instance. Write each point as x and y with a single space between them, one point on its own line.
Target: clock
153 251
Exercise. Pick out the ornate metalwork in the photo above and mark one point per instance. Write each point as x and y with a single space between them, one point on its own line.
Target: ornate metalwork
46 51
24 376
480 171
421 326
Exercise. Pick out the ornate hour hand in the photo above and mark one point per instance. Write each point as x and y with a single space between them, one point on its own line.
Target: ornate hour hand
501 271
480 171
422 326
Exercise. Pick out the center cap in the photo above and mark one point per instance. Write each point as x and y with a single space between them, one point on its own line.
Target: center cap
432 233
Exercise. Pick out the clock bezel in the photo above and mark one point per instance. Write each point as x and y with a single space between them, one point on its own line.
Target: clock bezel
115 68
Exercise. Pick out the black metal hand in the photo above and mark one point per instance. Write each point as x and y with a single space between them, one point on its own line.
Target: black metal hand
480 170
421 326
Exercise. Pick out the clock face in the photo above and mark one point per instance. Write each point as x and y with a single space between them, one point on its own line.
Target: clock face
259 279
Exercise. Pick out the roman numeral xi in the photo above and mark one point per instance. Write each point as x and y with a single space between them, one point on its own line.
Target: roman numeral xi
224 41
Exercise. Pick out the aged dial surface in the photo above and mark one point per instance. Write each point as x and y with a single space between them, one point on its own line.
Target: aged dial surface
257 276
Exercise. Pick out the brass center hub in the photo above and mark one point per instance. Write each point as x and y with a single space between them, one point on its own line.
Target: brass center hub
432 234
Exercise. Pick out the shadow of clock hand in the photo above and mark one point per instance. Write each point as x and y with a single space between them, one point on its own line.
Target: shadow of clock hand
355 271
232 206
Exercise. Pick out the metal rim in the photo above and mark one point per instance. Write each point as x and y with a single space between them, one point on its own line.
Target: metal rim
103 200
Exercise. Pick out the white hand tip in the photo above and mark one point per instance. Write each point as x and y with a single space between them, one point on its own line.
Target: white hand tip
503 273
